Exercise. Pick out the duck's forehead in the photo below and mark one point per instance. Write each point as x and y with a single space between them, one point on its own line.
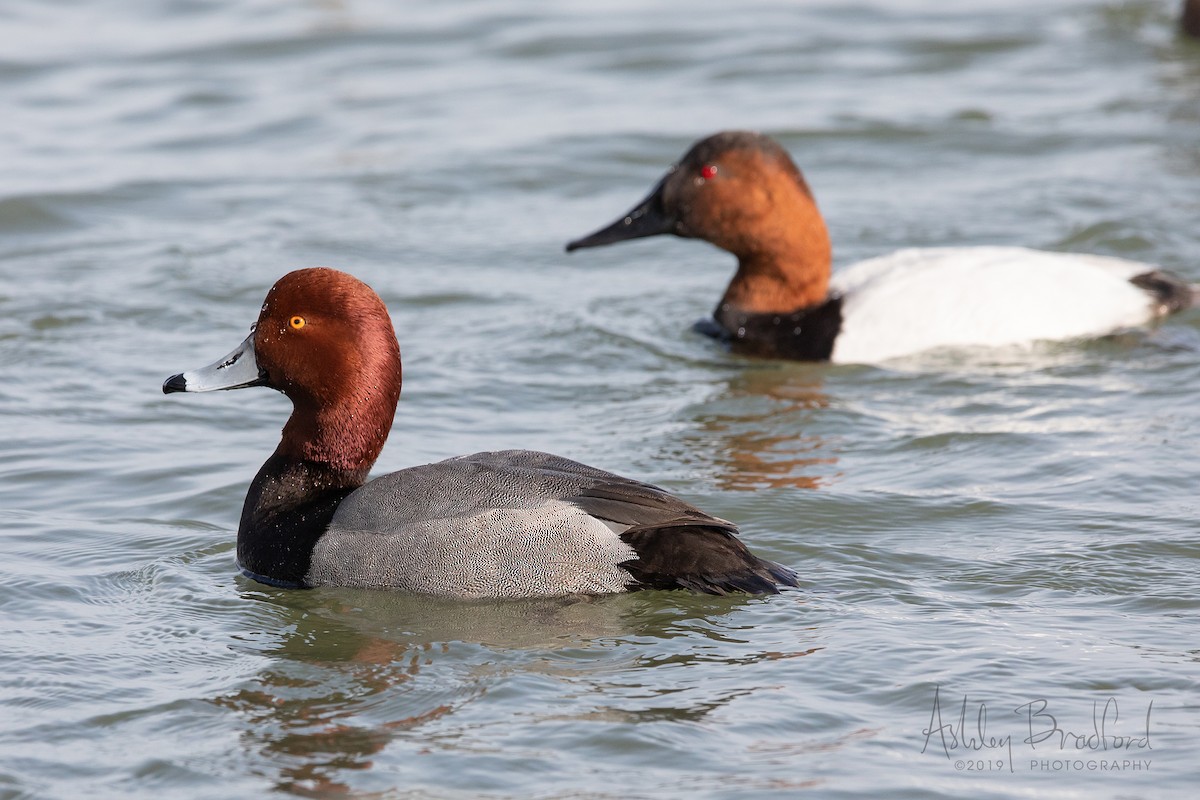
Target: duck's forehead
308 287
281 294
723 145
278 302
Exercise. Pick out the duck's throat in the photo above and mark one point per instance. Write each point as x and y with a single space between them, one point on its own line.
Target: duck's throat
768 285
346 438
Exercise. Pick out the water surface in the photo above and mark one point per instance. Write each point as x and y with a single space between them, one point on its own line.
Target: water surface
990 529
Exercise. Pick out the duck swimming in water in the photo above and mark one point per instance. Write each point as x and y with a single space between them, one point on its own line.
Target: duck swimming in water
514 523
742 192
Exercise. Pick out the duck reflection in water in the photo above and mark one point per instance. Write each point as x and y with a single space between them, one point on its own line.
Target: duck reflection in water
752 436
358 669
361 681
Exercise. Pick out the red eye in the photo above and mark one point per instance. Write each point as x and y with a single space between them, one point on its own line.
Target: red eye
708 172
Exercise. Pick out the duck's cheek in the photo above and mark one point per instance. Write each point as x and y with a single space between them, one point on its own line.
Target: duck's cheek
271 341
700 221
267 352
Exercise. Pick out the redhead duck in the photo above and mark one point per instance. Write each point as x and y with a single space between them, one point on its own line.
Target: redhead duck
741 192
514 523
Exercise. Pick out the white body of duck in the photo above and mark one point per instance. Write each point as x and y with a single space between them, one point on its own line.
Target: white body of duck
925 298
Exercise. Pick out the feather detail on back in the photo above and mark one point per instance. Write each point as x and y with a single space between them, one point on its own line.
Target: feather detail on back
519 523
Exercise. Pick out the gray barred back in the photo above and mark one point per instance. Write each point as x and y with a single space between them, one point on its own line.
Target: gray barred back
465 485
513 523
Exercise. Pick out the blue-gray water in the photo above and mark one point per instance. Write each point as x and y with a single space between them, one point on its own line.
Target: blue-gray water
1005 527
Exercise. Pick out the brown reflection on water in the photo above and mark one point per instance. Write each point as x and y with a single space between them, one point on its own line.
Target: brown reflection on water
354 673
359 668
762 461
313 733
759 442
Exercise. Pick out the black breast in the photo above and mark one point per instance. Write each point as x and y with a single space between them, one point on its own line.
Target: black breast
806 334
288 508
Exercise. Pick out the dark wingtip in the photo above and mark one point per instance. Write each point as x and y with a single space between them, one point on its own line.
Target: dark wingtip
175 383
701 558
753 581
1189 23
1172 293
783 576
764 577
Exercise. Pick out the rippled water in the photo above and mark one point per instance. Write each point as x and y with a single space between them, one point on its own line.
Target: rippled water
980 531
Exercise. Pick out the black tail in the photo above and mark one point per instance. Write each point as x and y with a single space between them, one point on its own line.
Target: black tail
1170 291
704 559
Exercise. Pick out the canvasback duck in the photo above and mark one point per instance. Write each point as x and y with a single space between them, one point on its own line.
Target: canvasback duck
742 192
514 523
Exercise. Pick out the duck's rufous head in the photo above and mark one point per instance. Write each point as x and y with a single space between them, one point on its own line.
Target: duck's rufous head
324 339
742 192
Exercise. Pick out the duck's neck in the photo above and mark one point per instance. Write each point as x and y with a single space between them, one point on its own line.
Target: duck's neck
784 264
288 507
764 284
324 455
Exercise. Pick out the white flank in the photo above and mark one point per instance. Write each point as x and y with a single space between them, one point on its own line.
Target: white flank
920 299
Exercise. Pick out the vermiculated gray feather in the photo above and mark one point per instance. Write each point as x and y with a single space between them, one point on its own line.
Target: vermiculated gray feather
513 523
498 524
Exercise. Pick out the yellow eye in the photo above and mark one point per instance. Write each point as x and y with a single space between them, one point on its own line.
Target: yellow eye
296 322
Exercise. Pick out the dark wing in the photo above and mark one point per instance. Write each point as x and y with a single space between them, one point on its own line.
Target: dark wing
702 559
679 546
